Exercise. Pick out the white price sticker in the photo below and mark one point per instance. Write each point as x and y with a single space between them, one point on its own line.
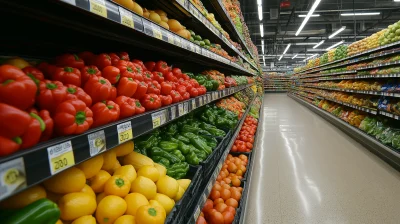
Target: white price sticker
185 108
124 132
61 157
180 110
72 2
12 176
170 38
201 101
172 112
156 31
193 104
196 213
209 186
97 142
177 41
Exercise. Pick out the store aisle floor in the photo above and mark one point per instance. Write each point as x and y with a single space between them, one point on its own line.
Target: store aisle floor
308 171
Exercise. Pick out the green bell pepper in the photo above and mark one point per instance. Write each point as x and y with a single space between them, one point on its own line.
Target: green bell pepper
215 84
191 158
210 141
178 154
163 161
185 149
168 145
182 139
209 85
198 143
212 129
147 141
156 151
178 170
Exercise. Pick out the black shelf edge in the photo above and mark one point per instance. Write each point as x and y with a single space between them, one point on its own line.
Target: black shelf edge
367 92
362 77
37 161
386 153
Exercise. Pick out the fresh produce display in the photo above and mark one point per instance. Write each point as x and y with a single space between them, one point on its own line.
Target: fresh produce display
244 141
276 82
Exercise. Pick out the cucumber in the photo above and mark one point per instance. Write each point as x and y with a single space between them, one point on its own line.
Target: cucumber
42 211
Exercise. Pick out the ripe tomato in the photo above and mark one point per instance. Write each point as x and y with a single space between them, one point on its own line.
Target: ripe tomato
228 217
161 66
232 202
225 194
221 207
215 195
208 206
201 220
235 194
216 218
236 182
219 200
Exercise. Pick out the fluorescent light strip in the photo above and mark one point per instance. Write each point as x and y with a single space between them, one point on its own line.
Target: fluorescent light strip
316 3
260 15
280 57
259 2
310 57
313 15
261 30
333 46
361 14
262 48
287 48
337 32
295 56
322 41
300 44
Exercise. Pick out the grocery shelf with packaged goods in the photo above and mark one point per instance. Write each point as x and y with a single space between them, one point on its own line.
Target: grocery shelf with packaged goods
276 82
360 89
94 84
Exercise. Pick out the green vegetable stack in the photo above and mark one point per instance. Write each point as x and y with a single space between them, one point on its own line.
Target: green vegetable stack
210 84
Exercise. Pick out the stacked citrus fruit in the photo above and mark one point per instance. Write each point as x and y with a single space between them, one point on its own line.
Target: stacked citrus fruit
118 186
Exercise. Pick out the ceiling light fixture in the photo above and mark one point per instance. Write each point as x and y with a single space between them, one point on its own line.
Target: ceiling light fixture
262 48
259 2
322 41
311 43
316 3
261 30
361 14
335 45
310 57
295 56
313 15
280 57
337 32
260 14
286 49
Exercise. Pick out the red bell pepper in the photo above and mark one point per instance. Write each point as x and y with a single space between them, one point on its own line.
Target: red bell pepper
186 96
139 62
150 65
126 105
185 77
176 97
34 73
170 77
72 117
126 87
67 75
102 61
124 56
89 71
74 92
87 57
111 73
158 76
113 93
124 65
181 89
202 90
105 112
140 91
166 88
48 121
177 72
194 83
139 108
114 58
16 88
9 146
70 60
98 88
151 101
147 76
153 87
193 92
51 93
166 100
162 66
47 69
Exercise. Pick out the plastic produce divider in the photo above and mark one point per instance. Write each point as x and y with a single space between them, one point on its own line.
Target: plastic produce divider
42 161
388 154
193 215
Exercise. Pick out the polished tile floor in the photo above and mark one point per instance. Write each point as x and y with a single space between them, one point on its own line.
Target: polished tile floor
308 171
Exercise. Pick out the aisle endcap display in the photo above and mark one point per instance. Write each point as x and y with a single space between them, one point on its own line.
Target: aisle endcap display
73 150
123 16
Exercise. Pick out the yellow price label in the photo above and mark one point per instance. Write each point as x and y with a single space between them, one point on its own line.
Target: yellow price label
156 32
61 157
170 38
98 7
127 21
180 109
156 122
124 132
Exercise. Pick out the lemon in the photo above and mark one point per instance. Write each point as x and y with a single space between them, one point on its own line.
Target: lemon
92 166
75 205
98 181
134 201
156 203
127 171
68 181
161 169
86 219
88 190
180 193
110 209
168 186
184 183
145 186
150 172
124 149
100 197
125 219
24 198
166 202
109 160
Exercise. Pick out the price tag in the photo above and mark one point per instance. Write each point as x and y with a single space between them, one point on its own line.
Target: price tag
126 17
170 38
72 2
198 50
124 132
209 186
193 104
97 142
178 41
204 197
172 112
197 213
181 2
192 47
219 166
60 157
156 31
159 118
12 176
98 7
180 110
185 108
201 101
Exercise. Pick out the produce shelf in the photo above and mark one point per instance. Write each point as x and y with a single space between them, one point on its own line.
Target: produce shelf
276 90
365 109
387 153
387 114
329 74
108 20
363 77
377 93
39 162
193 211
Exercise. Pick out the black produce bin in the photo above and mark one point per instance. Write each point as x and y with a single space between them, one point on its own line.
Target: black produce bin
241 204
195 174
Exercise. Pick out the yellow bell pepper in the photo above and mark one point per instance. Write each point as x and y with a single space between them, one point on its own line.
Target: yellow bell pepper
148 214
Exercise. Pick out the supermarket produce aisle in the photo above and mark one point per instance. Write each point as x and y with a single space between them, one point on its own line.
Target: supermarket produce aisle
308 171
